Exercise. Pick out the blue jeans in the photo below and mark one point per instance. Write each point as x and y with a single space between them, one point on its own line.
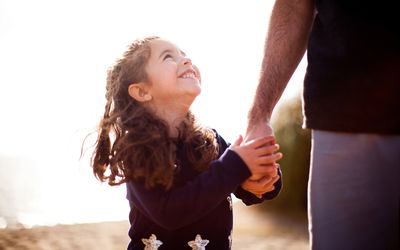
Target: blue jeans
354 191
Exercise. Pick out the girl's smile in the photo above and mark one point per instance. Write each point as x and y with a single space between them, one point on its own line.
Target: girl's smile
189 74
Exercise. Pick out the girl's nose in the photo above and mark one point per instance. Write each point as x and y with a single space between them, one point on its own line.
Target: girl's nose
186 61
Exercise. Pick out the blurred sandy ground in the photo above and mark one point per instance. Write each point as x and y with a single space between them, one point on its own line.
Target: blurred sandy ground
253 230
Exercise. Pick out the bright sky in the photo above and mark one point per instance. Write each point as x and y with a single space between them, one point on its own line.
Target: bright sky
53 59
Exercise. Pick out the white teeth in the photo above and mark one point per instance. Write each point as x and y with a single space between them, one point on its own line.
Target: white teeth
189 75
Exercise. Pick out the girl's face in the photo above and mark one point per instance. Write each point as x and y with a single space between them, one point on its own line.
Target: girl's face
174 80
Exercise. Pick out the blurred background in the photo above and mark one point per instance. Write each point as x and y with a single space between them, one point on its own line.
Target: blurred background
53 61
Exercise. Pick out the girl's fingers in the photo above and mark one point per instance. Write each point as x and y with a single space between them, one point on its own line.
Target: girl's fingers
265 180
259 142
267 184
267 150
272 170
270 182
274 179
269 159
261 186
238 141
268 171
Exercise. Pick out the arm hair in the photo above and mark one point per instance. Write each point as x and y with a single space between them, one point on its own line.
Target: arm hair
285 44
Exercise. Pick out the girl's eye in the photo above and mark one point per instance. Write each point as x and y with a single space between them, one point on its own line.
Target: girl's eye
167 56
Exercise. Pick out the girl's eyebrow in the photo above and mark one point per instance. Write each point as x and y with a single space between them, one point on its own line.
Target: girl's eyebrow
170 51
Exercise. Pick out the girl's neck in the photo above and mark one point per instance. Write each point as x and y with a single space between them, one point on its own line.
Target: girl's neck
173 119
173 114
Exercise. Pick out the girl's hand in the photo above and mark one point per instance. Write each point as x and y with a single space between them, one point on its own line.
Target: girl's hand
259 155
260 186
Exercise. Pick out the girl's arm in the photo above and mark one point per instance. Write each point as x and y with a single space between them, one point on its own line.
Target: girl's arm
184 205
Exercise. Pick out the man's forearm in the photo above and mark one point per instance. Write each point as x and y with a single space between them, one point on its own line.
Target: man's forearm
285 44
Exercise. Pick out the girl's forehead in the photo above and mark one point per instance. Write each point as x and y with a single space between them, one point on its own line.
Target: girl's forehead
160 45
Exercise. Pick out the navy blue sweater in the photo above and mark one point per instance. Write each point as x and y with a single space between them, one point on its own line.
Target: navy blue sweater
199 203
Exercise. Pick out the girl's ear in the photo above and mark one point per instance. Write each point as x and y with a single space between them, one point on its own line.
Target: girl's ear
139 92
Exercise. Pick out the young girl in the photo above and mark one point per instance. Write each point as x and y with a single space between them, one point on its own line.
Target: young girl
179 175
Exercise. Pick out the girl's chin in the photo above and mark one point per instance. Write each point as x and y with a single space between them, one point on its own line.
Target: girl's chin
196 90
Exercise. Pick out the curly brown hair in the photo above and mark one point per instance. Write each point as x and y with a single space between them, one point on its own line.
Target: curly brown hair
141 145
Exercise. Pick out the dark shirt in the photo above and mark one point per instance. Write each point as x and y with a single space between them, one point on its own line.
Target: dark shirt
352 82
199 203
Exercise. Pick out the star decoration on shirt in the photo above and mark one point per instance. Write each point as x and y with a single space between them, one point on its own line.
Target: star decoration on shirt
230 240
198 243
151 243
229 199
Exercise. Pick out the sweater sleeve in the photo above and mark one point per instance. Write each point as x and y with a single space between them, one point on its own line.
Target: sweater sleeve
250 199
184 205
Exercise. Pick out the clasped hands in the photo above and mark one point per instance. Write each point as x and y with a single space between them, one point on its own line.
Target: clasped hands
259 152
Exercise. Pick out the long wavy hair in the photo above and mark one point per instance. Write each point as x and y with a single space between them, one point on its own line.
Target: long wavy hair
132 141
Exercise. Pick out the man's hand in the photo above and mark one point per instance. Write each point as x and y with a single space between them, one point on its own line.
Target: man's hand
258 130
260 184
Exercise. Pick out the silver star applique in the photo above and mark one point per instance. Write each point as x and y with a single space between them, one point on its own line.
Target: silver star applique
151 243
229 199
230 240
198 243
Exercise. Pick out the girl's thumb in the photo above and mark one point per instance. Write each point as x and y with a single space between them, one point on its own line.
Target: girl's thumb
238 141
